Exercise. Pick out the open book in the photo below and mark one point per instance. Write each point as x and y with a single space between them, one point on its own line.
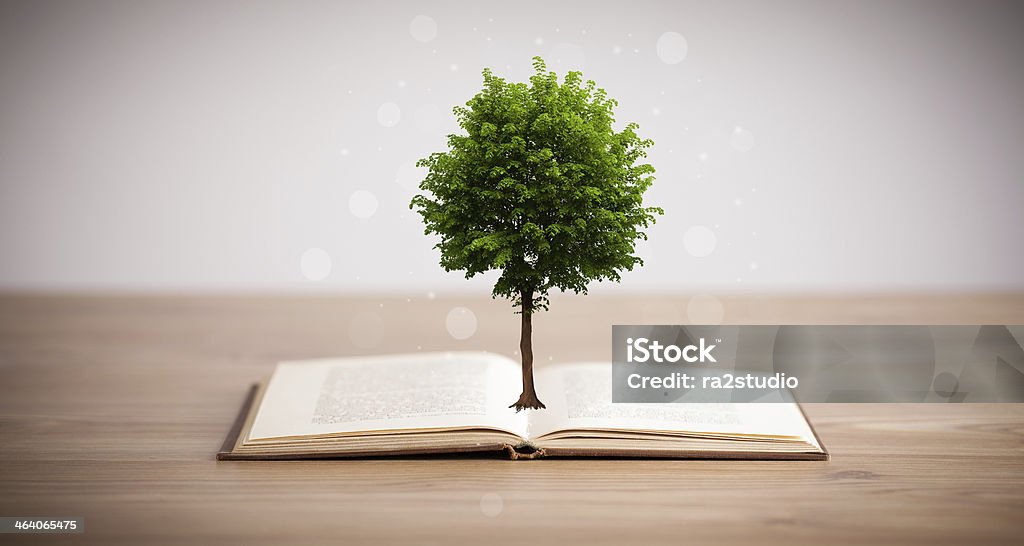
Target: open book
458 402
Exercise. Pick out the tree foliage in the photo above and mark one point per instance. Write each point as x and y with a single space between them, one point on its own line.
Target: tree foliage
541 187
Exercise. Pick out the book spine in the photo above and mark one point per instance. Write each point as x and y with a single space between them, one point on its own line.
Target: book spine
523 451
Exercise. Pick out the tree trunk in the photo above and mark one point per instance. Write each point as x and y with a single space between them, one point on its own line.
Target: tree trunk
527 400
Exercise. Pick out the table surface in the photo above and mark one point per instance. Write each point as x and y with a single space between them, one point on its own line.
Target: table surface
112 407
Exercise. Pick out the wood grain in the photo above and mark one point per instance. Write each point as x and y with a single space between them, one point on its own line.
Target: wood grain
112 407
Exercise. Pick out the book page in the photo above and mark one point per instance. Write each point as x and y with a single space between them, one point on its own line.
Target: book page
587 404
389 393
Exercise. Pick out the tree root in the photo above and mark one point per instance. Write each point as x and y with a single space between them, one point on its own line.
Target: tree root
527 400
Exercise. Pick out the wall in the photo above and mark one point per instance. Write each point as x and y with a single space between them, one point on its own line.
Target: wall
800 146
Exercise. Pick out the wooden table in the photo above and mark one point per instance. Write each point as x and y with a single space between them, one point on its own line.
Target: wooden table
111 408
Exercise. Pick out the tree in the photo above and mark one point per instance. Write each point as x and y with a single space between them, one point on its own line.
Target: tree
542 188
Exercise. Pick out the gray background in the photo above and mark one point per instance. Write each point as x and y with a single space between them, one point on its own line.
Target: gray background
826 146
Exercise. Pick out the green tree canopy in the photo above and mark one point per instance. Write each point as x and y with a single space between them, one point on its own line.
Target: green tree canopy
541 187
